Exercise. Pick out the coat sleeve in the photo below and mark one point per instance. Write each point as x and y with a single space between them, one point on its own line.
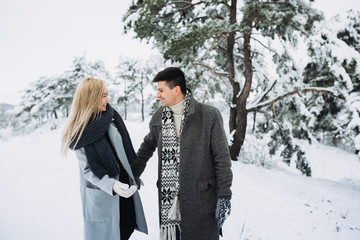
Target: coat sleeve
105 183
221 155
147 147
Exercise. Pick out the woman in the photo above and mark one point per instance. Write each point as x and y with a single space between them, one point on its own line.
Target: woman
111 204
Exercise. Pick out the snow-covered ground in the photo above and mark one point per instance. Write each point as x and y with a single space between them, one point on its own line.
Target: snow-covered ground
40 197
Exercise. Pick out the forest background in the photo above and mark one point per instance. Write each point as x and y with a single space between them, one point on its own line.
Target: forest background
284 71
284 76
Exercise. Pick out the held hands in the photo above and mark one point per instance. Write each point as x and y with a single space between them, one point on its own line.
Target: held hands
139 182
123 189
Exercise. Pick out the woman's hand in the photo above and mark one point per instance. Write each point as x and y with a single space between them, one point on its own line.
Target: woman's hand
123 189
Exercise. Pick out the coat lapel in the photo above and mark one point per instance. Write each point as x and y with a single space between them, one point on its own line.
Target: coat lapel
116 140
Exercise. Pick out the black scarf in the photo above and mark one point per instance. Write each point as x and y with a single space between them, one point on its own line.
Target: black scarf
99 153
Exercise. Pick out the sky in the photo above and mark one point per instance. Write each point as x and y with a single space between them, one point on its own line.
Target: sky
42 37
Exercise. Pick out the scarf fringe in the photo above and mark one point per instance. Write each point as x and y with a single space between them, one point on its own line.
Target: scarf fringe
174 211
169 232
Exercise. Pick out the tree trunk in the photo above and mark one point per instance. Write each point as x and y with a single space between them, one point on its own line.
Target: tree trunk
236 115
241 122
55 114
231 69
142 100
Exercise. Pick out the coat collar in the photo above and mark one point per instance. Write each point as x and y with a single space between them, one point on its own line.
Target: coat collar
193 103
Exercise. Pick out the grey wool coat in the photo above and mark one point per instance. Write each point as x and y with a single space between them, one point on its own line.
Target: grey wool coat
101 211
205 168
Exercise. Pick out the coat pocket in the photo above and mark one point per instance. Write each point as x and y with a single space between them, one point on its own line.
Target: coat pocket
207 192
98 205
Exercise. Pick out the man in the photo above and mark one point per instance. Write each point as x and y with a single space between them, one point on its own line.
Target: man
194 174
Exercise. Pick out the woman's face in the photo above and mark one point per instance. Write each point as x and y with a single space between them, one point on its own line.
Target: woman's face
104 100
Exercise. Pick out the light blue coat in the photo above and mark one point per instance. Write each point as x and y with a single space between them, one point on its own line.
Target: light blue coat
101 211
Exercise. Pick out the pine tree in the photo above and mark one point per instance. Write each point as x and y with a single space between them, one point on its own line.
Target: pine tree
49 96
244 46
335 55
134 76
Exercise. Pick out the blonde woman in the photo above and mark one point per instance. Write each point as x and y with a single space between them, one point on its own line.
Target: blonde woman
112 208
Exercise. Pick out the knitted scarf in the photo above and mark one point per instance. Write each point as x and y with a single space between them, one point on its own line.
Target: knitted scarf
170 158
99 153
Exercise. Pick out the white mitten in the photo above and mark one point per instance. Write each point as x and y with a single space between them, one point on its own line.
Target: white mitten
123 189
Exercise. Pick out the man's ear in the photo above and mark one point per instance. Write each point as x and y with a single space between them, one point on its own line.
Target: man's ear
177 90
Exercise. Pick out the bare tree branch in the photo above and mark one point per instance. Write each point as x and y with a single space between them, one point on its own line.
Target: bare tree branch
226 5
270 102
274 3
274 117
198 18
298 29
206 17
266 93
211 70
190 5
221 40
237 38
256 24
205 96
272 50
239 56
180 2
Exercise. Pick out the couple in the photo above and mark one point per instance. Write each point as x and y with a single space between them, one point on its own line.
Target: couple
194 176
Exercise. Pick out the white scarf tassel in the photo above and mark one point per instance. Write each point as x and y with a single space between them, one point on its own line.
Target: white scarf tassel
174 211
168 232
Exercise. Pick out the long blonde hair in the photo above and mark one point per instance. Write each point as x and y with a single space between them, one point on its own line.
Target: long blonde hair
86 104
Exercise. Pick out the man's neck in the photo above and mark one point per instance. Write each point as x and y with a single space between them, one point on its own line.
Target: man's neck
178 100
177 108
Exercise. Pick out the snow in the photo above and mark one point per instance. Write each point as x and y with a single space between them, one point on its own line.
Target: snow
40 196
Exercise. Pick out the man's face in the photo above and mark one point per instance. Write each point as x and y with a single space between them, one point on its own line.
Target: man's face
167 96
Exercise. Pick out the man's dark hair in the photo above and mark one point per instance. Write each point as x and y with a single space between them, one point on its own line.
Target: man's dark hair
173 77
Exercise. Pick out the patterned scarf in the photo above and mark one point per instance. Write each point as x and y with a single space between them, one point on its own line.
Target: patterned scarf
170 185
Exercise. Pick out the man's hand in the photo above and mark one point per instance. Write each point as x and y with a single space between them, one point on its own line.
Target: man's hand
223 209
139 182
